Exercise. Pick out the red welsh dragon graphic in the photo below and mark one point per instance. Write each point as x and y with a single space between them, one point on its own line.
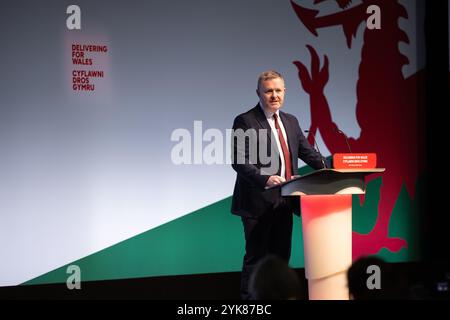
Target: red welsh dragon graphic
389 108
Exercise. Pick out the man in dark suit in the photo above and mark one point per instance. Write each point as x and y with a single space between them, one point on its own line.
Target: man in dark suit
267 144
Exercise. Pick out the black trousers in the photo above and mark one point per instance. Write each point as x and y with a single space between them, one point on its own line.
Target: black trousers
268 234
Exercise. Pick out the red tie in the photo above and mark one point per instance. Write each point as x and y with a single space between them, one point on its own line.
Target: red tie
284 147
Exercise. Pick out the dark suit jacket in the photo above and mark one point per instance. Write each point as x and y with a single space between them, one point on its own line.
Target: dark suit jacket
250 199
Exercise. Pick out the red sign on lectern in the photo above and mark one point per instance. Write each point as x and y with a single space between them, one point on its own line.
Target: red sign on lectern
355 160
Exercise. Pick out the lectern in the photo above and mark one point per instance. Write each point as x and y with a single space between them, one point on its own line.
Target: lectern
326 207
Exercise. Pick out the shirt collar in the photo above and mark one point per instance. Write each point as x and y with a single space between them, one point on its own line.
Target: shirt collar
268 114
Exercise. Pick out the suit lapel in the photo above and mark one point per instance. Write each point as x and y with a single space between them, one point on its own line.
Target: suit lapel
264 124
261 119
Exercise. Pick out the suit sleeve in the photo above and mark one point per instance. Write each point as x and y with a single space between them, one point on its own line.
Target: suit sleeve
241 162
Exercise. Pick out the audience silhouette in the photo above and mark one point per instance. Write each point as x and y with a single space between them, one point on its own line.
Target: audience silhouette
273 279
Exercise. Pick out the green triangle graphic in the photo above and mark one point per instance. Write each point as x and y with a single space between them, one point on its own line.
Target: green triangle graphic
211 240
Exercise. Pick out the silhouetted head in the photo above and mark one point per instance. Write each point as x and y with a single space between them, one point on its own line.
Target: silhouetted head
371 278
272 279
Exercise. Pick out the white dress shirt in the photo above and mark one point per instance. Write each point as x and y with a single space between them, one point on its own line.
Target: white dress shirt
271 120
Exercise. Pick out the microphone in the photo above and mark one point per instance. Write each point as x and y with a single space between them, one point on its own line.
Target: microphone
317 148
346 139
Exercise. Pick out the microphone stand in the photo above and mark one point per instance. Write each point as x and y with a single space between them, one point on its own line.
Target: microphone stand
346 139
317 149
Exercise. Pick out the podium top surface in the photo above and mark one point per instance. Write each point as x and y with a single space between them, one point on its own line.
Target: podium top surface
374 170
327 181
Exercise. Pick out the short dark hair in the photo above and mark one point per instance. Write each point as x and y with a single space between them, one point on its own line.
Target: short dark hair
269 75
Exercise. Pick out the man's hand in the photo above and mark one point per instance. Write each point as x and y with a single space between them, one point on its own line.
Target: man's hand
274 180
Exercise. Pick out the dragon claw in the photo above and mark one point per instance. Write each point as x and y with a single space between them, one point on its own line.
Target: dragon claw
318 77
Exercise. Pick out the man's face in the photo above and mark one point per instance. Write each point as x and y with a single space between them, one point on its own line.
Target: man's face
271 93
